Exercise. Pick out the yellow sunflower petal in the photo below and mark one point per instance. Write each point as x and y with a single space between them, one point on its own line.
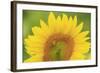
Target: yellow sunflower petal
36 30
75 21
34 59
70 23
65 23
58 25
34 43
35 51
82 48
77 30
44 29
77 56
42 32
51 18
82 34
51 21
43 24
80 40
65 20
31 40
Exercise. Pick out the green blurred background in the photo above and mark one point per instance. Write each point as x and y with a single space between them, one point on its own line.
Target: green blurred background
32 18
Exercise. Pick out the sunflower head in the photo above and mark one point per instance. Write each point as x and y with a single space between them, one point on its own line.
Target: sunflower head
61 38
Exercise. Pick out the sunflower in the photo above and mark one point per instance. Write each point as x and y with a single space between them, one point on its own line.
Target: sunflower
61 38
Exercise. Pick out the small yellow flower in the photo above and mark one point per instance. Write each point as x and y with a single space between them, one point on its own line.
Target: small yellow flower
59 39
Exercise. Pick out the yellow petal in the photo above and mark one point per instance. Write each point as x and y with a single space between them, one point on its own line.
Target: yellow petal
81 39
34 43
65 20
34 51
34 59
77 30
77 56
36 30
42 32
33 39
69 25
43 24
82 34
58 25
70 21
51 21
82 48
65 23
44 29
75 21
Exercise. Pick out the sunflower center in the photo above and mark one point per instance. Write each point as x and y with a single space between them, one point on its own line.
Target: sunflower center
58 47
